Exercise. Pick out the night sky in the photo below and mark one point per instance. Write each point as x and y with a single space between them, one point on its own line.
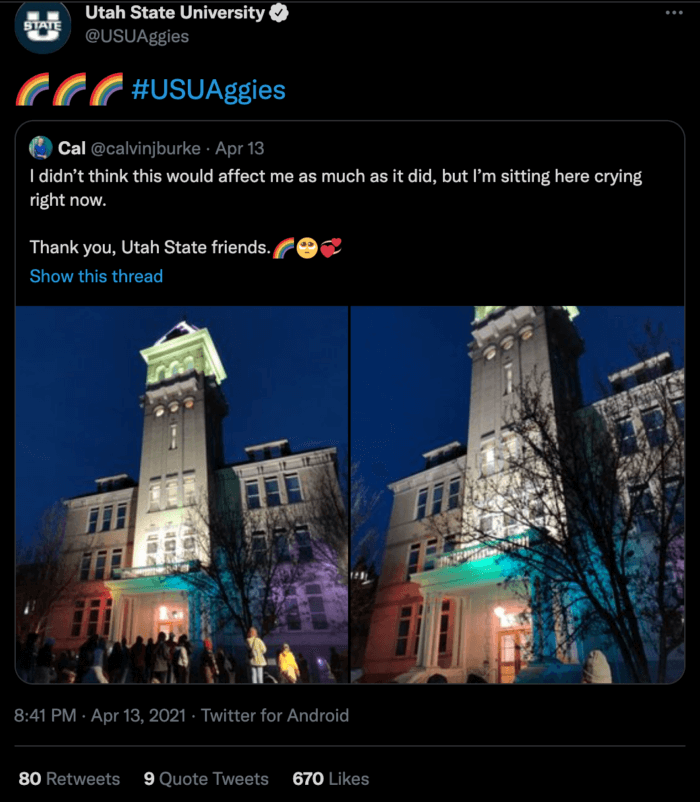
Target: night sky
411 379
80 374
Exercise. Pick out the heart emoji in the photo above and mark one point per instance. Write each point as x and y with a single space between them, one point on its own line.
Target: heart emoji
328 250
336 242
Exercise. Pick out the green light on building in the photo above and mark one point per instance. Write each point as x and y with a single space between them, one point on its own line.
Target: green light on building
482 312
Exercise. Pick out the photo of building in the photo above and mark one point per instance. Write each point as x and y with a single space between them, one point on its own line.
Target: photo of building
196 545
554 531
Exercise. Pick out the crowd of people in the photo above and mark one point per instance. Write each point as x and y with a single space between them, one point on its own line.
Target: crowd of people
162 661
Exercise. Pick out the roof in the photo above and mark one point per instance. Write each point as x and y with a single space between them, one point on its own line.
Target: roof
180 330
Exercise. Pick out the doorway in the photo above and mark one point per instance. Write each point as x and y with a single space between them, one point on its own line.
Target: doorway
512 645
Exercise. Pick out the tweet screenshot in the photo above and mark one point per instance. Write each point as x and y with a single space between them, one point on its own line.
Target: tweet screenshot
211 492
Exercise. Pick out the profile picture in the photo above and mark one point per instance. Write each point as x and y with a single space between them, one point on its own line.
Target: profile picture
40 147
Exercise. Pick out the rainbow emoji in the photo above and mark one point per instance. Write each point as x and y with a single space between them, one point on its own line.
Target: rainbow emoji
283 247
31 88
64 93
101 93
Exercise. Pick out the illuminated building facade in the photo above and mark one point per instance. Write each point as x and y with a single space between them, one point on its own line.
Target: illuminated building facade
134 546
442 606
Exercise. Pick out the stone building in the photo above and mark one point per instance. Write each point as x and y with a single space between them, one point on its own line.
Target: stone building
442 604
137 548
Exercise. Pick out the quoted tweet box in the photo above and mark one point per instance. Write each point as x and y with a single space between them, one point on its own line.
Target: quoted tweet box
112 208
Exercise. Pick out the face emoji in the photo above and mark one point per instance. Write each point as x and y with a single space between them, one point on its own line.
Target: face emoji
307 248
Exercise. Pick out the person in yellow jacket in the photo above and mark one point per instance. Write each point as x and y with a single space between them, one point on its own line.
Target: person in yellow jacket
256 655
289 671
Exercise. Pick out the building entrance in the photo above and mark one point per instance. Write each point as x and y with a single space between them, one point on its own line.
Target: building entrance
148 614
512 646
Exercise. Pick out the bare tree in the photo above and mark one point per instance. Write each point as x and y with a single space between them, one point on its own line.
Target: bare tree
363 581
251 560
585 510
363 503
326 512
245 574
44 572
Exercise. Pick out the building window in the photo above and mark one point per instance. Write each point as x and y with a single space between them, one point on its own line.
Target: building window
510 450
116 564
653 420
173 436
404 629
413 559
292 615
272 492
93 617
293 488
316 607
152 550
303 538
77 619
508 378
512 525
674 500
422 502
171 493
252 494
282 546
537 509
188 490
85 567
121 516
643 510
626 438
449 544
679 412
444 625
155 497
92 520
259 546
100 564
437 499
107 618
106 519
430 551
488 458
419 619
489 523
453 498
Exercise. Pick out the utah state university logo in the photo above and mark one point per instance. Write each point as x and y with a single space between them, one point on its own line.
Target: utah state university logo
42 27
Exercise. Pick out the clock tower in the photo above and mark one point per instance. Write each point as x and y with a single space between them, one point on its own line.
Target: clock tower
183 409
511 345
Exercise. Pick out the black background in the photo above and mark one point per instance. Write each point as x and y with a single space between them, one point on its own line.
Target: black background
613 64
